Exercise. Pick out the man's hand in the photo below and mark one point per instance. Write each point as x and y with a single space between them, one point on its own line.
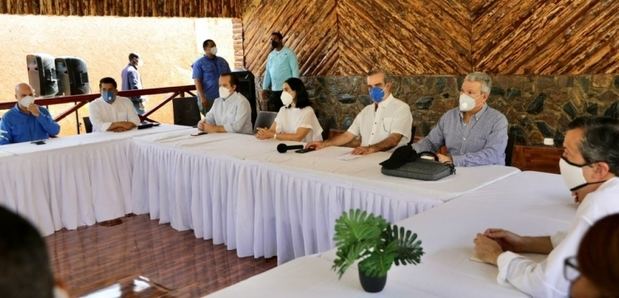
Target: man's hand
264 100
487 249
444 158
121 126
201 124
507 240
364 150
209 127
34 110
204 102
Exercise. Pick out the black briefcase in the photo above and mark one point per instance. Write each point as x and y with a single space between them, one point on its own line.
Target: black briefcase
421 169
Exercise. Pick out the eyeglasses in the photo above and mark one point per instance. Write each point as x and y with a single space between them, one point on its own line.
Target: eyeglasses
571 271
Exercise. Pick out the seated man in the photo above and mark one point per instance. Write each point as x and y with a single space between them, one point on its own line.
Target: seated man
589 166
25 269
111 112
26 121
382 125
473 133
230 112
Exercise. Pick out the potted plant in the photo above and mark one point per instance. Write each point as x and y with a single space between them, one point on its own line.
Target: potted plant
376 244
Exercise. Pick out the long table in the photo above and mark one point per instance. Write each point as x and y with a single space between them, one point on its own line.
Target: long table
237 190
529 203
71 181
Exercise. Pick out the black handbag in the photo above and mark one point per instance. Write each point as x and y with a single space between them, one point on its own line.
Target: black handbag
405 162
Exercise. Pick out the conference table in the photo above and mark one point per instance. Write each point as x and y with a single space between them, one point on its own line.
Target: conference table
71 181
241 192
528 203
231 188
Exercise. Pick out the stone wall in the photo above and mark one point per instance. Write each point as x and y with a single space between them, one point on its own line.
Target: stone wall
536 106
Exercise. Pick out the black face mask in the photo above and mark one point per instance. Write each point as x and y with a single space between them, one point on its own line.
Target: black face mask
274 44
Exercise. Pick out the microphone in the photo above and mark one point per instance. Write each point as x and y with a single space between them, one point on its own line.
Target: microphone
282 148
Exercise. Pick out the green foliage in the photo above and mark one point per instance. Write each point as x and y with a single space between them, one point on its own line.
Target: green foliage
377 244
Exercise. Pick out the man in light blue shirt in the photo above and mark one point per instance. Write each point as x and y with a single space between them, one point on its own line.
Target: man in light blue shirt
26 121
231 112
281 65
131 81
474 133
206 72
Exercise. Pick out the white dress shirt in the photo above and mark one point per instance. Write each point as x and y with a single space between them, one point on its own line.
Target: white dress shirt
546 279
233 113
103 114
288 120
376 124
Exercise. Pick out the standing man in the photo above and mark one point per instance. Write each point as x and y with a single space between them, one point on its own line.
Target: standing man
281 65
131 80
26 121
206 72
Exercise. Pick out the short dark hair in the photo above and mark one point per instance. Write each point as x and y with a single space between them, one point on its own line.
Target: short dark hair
206 42
600 145
107 80
234 80
25 269
598 255
278 34
133 55
302 96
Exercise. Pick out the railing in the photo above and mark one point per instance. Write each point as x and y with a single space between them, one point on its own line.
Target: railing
83 99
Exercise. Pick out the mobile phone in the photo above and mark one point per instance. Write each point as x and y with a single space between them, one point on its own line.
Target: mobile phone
199 133
305 150
39 142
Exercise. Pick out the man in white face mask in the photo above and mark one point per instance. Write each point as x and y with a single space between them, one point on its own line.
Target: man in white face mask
231 112
474 133
589 166
26 121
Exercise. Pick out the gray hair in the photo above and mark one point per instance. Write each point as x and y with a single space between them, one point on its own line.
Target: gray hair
483 78
600 144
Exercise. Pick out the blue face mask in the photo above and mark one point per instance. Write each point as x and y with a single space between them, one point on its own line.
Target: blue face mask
377 94
108 96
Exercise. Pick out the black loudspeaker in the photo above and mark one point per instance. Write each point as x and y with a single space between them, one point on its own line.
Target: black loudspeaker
42 74
247 87
72 75
186 111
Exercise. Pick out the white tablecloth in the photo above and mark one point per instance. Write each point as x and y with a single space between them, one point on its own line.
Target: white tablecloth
239 191
72 181
528 203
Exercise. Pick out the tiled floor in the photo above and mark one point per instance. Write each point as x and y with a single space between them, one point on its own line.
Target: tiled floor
92 257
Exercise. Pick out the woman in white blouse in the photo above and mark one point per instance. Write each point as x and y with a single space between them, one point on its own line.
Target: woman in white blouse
296 120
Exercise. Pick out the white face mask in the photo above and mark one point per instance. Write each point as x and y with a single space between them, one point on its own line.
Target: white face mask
466 102
286 98
224 92
26 101
214 51
572 174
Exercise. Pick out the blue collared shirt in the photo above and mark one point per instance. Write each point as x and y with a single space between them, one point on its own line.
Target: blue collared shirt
208 70
17 126
281 65
482 141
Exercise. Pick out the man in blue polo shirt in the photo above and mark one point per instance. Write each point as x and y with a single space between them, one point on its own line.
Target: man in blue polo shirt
26 121
206 72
